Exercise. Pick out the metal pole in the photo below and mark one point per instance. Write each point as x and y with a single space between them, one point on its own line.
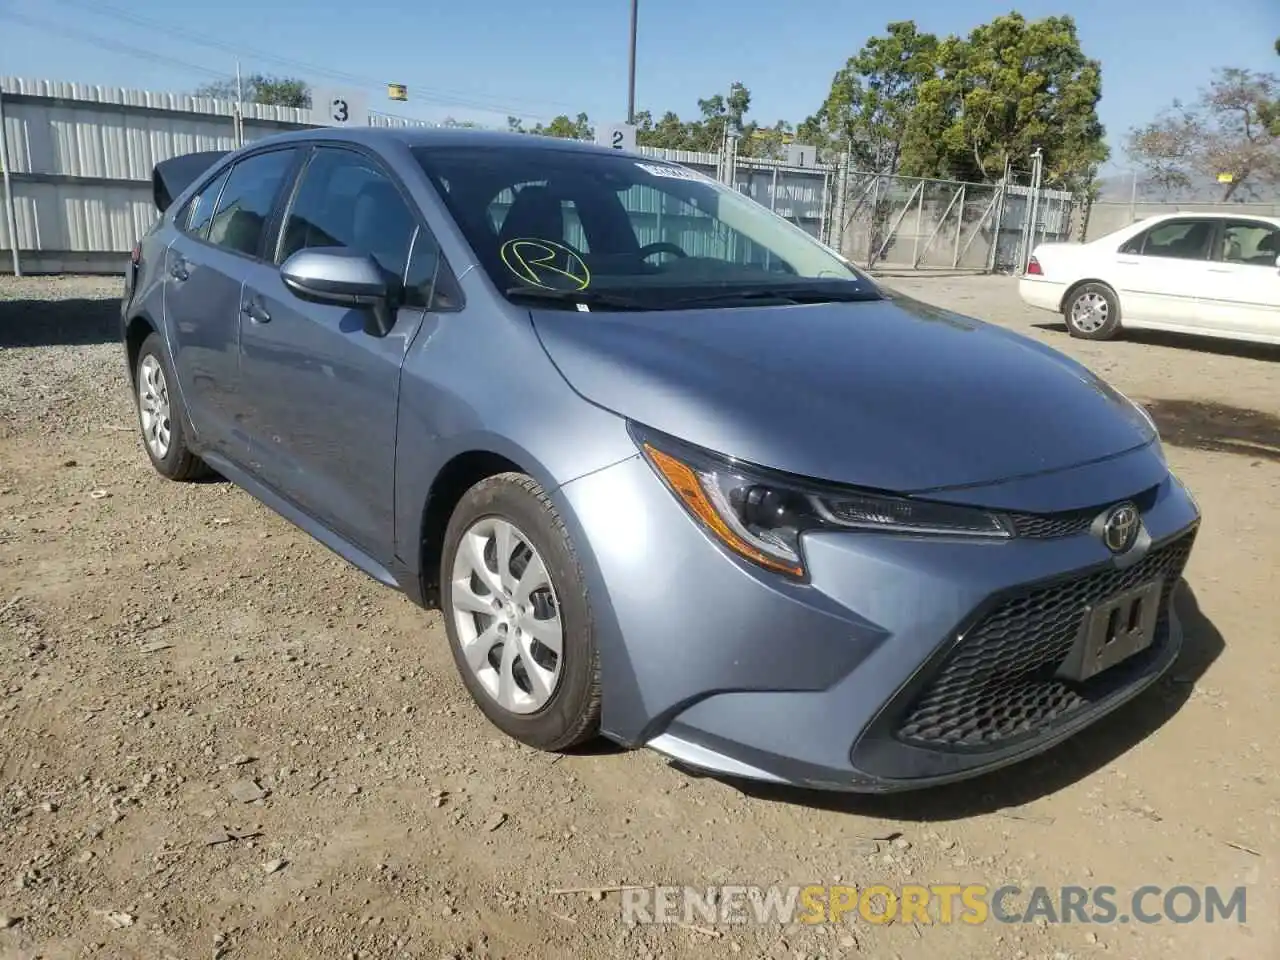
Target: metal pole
11 218
1133 197
915 247
239 119
955 251
773 191
826 205
631 86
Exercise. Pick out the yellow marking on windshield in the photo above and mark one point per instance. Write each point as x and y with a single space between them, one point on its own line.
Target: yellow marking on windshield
542 263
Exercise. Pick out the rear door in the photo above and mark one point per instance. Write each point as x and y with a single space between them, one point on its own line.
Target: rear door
201 309
221 231
1246 290
326 392
1163 272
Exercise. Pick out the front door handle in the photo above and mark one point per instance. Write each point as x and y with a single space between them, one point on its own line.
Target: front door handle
255 311
178 270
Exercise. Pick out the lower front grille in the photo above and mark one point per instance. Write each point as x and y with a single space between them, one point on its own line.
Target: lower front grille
998 685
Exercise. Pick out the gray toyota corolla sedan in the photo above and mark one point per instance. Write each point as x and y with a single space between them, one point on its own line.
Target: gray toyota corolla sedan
674 472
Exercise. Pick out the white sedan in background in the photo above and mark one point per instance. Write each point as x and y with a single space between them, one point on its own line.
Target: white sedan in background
1209 274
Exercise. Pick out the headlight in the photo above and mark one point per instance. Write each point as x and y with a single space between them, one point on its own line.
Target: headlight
761 515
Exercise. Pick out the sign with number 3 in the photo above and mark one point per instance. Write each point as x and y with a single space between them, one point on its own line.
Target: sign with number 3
339 108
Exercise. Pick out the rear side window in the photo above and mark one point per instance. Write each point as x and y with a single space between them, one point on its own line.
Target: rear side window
247 200
195 218
1178 239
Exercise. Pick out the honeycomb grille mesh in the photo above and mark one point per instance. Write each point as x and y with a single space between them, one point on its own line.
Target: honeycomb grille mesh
997 684
1069 523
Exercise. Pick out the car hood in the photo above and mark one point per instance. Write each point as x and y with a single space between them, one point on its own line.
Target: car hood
889 394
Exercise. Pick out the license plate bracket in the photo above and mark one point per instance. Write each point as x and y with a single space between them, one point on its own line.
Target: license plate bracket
1114 631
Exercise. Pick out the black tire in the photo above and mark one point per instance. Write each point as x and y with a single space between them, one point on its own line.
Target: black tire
572 714
178 463
1084 295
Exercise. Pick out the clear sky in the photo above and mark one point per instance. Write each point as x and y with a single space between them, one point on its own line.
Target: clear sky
485 59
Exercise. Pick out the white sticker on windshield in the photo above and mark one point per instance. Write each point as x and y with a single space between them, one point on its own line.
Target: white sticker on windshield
671 173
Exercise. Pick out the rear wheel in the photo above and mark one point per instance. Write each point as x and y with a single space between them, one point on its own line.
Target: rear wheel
517 614
161 416
1092 312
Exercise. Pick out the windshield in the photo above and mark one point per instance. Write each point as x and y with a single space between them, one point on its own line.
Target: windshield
595 230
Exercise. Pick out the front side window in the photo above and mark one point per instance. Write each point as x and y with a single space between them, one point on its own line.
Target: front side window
1178 239
345 200
247 200
554 223
1251 243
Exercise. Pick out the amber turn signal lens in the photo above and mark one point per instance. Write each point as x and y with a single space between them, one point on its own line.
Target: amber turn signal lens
685 483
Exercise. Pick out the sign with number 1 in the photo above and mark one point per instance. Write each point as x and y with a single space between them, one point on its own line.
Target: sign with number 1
332 107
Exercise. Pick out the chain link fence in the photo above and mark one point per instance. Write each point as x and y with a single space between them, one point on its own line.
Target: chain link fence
888 222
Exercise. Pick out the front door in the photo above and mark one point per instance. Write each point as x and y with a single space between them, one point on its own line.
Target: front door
1246 287
326 392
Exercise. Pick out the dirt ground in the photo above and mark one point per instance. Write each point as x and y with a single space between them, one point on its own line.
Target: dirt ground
162 642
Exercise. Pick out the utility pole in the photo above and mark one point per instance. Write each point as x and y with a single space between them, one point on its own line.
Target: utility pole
239 121
631 84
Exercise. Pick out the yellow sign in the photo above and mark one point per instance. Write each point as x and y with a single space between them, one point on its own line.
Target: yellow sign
1226 177
397 91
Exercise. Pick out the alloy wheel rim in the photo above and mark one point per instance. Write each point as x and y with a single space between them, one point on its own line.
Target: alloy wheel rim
153 407
1090 312
507 616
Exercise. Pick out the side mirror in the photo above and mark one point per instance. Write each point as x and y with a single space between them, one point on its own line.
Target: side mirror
344 278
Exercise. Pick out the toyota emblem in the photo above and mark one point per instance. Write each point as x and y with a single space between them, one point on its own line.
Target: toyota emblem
1120 527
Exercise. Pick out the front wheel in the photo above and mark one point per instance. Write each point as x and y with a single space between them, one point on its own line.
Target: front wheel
517 614
1092 312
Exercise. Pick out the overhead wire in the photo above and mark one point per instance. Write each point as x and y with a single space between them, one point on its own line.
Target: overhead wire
426 92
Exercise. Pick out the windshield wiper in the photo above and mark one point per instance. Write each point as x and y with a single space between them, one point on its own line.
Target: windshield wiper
588 298
786 294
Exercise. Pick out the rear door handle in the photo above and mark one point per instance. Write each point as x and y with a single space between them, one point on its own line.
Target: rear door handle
1220 270
178 270
255 311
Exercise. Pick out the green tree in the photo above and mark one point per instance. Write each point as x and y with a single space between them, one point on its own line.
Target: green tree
261 88
874 95
910 103
1270 112
564 127
1013 86
1223 132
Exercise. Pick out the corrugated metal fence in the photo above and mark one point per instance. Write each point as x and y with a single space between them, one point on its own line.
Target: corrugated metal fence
79 158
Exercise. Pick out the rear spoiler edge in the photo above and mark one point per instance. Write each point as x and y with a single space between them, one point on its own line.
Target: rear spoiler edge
169 178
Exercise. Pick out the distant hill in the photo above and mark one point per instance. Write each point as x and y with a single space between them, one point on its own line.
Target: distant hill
1118 188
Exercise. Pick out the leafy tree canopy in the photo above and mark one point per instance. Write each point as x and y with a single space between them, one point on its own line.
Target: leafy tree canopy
261 88
1229 129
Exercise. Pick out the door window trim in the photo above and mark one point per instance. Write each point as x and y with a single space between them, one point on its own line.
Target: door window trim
278 222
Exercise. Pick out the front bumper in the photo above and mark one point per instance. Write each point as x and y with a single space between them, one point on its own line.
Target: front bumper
903 663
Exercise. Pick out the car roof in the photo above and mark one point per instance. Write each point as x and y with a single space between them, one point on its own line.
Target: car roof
1242 214
439 137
